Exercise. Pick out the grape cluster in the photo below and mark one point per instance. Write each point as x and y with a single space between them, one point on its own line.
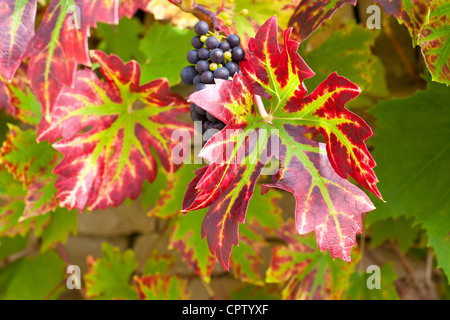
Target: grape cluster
213 57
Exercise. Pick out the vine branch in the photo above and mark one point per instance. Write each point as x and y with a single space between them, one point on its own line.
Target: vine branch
190 6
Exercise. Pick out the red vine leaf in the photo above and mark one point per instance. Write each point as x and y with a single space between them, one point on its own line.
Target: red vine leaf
129 8
107 141
412 13
310 14
16 30
326 202
279 75
161 287
60 44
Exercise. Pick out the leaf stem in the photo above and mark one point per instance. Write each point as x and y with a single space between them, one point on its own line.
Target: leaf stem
260 105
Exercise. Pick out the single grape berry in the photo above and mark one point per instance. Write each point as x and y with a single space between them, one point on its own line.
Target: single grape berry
211 43
227 56
196 80
196 42
192 56
200 110
197 117
232 67
216 55
221 73
225 46
206 125
202 66
200 86
201 28
238 54
233 40
207 77
187 75
219 125
203 54
210 117
213 67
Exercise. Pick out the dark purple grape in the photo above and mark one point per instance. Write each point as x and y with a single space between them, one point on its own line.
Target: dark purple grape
203 54
202 66
192 56
187 75
211 43
200 110
232 67
196 42
225 46
221 73
200 86
201 28
216 55
197 79
206 125
217 125
238 54
195 116
233 40
207 77
210 117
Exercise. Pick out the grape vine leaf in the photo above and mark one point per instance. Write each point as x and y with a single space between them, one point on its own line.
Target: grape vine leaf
109 277
157 283
161 287
434 40
411 13
402 230
159 263
25 159
358 289
427 22
415 170
12 245
33 278
107 140
122 40
61 43
304 272
326 202
31 164
348 49
17 99
17 19
310 14
160 55
61 222
279 75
